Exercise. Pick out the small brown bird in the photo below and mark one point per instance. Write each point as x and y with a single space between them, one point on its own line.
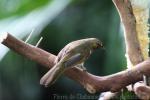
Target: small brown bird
74 53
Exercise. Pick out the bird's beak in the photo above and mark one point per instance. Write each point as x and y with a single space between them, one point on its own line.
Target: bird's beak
102 46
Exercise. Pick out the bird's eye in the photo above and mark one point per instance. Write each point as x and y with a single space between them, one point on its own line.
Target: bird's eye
96 45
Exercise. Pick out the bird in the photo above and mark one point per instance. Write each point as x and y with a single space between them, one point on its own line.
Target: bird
73 54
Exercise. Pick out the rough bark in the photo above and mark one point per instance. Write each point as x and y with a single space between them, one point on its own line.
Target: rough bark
133 50
90 82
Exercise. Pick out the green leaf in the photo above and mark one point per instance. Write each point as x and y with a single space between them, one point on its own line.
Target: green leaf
19 7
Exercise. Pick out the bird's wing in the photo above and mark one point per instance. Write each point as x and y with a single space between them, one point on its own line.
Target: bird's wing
55 72
73 60
62 53
72 46
59 56
73 52
52 75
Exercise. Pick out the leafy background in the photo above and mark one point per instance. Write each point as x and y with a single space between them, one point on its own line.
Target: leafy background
58 22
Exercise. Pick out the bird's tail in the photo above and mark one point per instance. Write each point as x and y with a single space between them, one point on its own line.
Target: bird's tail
52 75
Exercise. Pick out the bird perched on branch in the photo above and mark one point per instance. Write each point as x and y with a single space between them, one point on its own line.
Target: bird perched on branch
73 54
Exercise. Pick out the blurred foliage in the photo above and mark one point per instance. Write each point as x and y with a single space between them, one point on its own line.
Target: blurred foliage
125 95
81 19
19 7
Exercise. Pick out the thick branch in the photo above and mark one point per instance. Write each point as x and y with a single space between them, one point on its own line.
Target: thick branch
91 82
133 51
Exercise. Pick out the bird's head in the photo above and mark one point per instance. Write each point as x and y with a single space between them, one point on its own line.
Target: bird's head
95 43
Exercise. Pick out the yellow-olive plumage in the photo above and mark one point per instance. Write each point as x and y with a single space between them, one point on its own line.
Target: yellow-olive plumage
74 53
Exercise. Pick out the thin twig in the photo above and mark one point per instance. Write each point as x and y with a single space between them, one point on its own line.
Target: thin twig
28 38
37 44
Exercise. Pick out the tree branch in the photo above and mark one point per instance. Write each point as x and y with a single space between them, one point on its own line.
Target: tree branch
90 82
133 50
142 91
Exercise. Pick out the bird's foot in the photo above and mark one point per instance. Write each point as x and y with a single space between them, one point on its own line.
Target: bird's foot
82 68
